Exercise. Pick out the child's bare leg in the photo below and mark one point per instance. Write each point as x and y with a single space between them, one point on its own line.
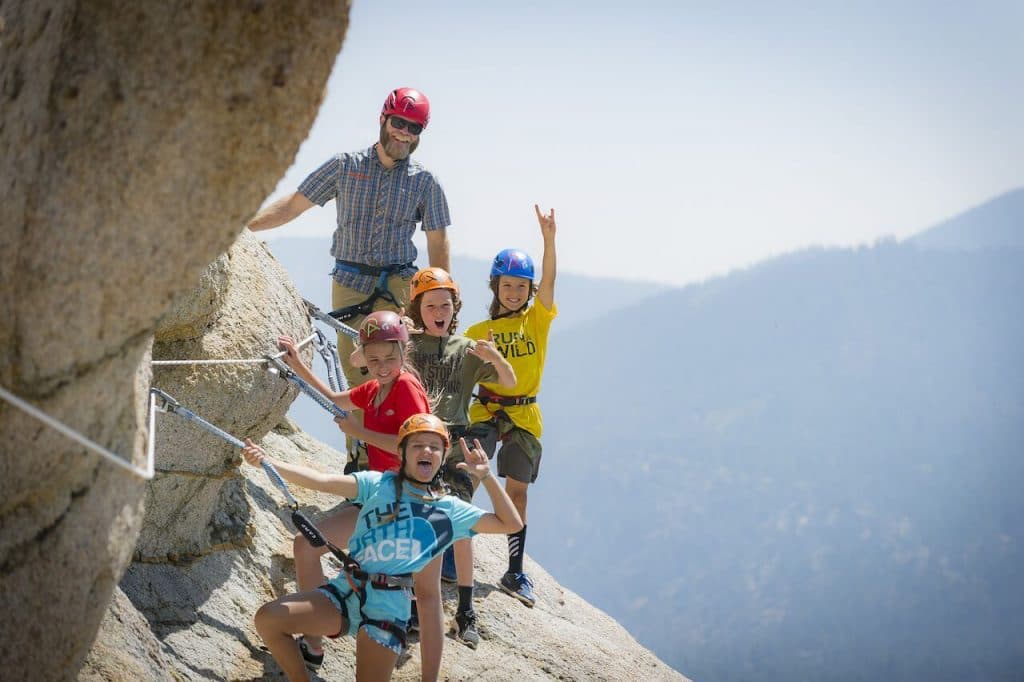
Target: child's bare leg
309 572
374 663
517 493
308 612
464 562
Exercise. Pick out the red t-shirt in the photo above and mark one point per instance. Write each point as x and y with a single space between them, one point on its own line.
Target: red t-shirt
405 399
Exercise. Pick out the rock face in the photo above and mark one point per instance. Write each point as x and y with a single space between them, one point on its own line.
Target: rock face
201 611
135 139
194 502
127 650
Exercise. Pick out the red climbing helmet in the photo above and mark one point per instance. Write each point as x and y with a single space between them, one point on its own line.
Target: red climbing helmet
408 103
381 326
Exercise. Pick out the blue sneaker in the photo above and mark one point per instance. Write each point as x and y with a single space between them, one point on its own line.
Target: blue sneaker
519 586
448 572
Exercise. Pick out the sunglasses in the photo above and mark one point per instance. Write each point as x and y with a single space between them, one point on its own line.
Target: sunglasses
402 124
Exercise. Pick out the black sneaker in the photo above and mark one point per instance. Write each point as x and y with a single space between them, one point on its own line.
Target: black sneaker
519 586
465 628
313 661
448 572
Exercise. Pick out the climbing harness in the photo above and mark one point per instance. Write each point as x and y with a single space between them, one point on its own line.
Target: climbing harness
380 291
485 397
145 474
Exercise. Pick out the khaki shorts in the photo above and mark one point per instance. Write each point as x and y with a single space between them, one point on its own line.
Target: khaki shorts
519 456
342 297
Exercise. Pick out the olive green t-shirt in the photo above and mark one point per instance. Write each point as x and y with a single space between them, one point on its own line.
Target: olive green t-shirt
449 374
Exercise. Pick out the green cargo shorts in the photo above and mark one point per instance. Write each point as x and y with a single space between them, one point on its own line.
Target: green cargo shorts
519 456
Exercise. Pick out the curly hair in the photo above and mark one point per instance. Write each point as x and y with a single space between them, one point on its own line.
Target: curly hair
416 314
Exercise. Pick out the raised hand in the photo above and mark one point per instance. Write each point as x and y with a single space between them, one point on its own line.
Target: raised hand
476 464
408 322
547 222
485 350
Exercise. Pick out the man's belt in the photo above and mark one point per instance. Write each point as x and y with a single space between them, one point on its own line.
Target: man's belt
370 270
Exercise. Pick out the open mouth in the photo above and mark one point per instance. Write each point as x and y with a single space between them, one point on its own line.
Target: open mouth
439 324
424 468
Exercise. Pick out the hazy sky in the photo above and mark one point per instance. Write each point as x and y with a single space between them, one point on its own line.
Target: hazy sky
680 140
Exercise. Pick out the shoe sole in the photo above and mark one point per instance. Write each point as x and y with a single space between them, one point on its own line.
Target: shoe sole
517 596
451 580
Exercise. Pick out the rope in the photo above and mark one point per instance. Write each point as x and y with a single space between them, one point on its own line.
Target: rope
334 324
234 361
319 398
304 525
171 405
145 474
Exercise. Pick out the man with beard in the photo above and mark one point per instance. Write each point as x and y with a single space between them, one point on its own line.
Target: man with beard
380 194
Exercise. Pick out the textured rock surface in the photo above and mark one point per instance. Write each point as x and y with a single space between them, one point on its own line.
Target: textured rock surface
194 311
126 649
202 610
134 140
194 502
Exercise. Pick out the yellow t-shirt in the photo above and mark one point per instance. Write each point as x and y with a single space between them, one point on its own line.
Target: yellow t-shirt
523 340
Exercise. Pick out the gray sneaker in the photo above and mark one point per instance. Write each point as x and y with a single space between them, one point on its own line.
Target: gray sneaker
465 628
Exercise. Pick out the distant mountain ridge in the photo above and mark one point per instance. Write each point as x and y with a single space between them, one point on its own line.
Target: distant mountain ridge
998 222
808 469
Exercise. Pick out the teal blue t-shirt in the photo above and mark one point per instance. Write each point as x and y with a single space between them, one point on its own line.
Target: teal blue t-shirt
404 542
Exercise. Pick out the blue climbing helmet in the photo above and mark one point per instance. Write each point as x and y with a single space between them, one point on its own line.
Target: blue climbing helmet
512 262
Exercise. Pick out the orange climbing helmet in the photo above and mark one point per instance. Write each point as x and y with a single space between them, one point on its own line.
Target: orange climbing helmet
423 423
429 279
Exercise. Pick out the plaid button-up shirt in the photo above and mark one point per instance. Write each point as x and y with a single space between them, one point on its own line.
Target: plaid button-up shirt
378 209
